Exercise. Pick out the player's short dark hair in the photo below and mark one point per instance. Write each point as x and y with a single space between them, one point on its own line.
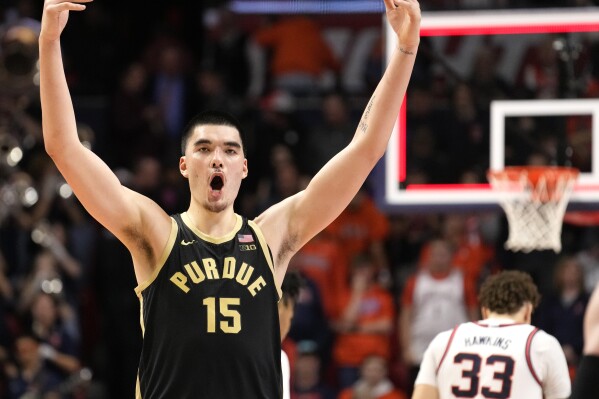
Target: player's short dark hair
291 286
211 117
507 291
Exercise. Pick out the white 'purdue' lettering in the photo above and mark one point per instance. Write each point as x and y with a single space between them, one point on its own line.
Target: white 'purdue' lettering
210 266
229 269
243 277
179 280
256 286
197 275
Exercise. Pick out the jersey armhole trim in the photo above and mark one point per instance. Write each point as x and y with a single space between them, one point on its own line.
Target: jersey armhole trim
449 341
267 253
528 357
137 388
163 257
141 315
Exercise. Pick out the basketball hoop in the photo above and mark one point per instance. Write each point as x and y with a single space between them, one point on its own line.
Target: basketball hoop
534 199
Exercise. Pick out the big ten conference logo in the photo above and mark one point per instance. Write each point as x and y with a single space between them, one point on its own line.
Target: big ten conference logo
247 247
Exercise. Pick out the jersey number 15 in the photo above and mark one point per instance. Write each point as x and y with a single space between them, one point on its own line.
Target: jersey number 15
230 322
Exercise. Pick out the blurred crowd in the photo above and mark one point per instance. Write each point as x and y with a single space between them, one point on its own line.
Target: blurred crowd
377 287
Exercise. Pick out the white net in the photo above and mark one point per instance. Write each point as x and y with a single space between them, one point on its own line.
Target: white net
534 200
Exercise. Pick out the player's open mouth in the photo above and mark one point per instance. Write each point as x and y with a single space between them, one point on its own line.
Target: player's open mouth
217 183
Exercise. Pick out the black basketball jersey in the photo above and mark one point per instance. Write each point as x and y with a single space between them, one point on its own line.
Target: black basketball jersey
209 318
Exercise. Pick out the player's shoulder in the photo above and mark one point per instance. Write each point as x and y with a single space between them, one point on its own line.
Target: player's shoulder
276 215
542 341
542 345
441 339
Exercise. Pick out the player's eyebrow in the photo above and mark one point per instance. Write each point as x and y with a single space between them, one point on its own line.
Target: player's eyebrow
201 141
226 143
233 144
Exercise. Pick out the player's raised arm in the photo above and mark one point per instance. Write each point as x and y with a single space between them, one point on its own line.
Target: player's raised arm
119 209
331 190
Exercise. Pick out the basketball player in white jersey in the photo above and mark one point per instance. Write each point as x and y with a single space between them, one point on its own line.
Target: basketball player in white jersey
500 357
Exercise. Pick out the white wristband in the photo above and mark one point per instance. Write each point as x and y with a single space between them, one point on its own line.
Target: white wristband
47 351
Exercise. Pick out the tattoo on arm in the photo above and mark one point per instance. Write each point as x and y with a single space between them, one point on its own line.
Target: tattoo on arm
401 49
363 123
363 126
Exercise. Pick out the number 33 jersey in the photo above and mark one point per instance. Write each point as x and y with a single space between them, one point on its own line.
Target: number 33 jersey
496 358
209 317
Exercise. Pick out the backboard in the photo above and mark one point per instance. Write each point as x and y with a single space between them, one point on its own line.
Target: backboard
306 6
565 124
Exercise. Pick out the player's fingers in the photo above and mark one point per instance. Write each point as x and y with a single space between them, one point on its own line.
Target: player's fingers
57 2
389 5
65 7
410 6
406 3
53 3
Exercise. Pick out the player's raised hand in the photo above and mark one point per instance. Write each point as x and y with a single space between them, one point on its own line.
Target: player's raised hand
404 17
56 15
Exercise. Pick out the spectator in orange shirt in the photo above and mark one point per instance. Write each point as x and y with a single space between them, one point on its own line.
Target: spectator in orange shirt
299 53
365 321
373 383
436 298
362 227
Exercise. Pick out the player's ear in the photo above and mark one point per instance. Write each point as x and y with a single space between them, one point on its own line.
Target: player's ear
528 308
484 313
183 167
245 168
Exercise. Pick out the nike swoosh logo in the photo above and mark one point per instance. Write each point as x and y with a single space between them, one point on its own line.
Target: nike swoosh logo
183 242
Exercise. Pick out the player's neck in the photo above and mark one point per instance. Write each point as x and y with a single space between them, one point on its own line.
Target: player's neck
216 224
521 316
506 317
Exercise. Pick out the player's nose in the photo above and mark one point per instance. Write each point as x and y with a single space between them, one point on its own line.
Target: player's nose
217 159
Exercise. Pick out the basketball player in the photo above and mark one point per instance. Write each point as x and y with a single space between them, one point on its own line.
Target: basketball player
586 383
500 357
209 279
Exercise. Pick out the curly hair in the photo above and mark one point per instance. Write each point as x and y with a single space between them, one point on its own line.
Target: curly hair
292 283
508 291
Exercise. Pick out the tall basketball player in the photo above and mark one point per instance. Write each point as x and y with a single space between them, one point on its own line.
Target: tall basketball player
290 291
209 279
586 383
500 357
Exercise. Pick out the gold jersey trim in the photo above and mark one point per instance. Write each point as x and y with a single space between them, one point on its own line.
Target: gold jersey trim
137 388
165 253
141 315
269 259
214 240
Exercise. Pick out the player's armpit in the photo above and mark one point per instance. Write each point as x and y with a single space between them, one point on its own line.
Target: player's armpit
422 391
